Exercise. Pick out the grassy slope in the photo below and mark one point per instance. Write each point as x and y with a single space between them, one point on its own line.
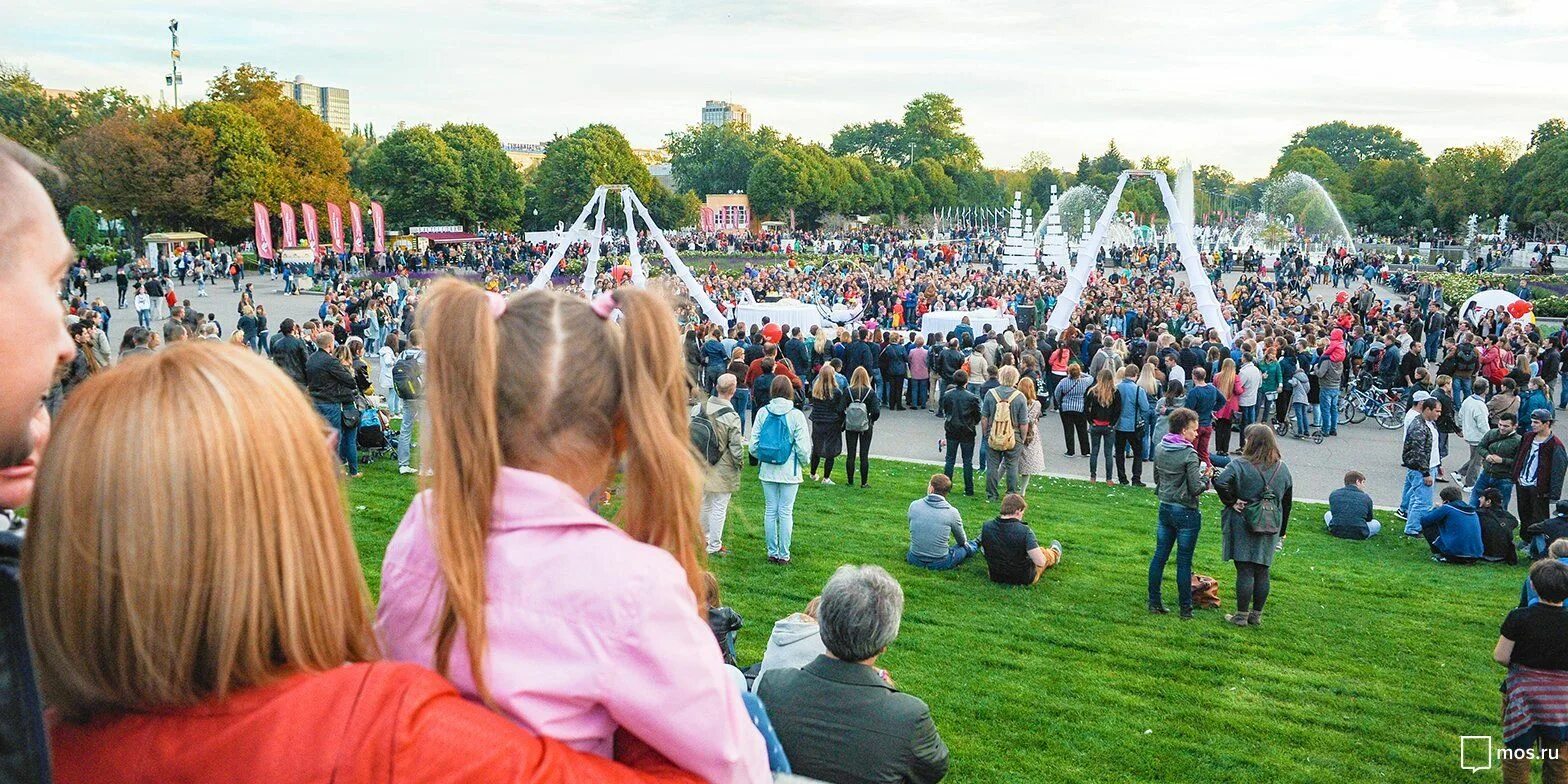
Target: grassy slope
1372 660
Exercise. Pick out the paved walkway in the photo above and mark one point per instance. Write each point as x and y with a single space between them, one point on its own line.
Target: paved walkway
907 435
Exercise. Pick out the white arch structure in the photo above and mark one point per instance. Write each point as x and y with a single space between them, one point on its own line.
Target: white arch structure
1181 227
629 202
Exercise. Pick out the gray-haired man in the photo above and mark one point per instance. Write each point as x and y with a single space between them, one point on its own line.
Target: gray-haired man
839 718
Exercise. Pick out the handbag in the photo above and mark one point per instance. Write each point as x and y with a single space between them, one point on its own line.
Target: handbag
1205 591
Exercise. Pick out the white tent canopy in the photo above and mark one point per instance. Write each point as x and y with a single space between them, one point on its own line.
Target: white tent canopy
1484 301
944 321
791 312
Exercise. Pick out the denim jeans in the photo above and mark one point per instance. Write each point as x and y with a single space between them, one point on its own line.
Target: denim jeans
348 437
1301 418
1416 500
1505 488
1328 411
955 448
405 430
144 318
918 389
742 405
1100 442
1178 526
1373 527
955 556
778 516
1464 387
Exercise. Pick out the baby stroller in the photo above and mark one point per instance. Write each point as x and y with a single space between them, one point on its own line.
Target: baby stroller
374 438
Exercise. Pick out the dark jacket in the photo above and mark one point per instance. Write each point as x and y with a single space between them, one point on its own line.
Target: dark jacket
894 360
859 355
1095 411
961 413
840 721
289 354
328 380
24 747
1549 474
1204 401
1506 447
1497 534
798 355
829 413
1349 509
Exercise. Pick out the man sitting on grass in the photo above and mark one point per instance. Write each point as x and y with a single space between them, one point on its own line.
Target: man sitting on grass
1349 514
1452 529
840 718
931 520
1012 555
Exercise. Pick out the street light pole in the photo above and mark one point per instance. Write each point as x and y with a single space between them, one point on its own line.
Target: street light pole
174 79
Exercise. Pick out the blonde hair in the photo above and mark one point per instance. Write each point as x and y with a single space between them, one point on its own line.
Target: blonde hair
232 568
860 379
826 383
1225 380
1104 389
594 391
1026 386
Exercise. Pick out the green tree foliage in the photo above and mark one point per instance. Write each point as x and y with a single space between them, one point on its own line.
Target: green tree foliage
881 141
1538 183
417 177
594 155
1469 180
492 186
1547 131
81 226
1348 145
939 188
39 121
1318 165
311 164
713 158
780 183
1390 195
246 168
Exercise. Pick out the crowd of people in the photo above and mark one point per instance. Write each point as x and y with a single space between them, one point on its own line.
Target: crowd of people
232 608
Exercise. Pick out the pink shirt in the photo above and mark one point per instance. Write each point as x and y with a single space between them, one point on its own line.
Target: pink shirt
589 631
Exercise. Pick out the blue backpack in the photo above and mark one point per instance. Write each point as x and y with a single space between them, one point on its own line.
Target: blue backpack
775 444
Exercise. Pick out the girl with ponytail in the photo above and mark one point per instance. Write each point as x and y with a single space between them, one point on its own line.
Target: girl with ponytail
504 578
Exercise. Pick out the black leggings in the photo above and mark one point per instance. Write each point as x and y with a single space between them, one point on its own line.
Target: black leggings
1221 436
856 441
1252 586
815 458
1074 422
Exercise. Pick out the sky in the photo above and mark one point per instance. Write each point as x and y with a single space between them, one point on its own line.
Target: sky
1222 82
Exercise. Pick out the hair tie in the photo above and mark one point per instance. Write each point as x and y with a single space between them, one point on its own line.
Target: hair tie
497 304
604 304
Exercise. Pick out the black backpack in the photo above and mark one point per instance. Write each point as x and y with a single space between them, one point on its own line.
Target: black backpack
705 436
408 377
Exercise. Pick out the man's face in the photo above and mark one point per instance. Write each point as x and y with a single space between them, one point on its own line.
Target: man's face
34 256
1541 428
1506 427
1433 413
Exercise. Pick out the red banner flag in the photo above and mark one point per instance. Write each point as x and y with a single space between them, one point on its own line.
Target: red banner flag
335 228
378 223
263 231
312 228
286 214
357 226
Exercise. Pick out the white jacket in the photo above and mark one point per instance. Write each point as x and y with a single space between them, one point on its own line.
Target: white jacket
1473 422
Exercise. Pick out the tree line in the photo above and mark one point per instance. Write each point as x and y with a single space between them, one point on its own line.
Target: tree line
200 166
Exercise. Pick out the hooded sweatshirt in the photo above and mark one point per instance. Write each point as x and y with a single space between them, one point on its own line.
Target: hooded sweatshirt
1178 473
795 642
931 520
1459 530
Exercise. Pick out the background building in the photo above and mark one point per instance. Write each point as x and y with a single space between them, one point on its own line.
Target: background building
328 103
721 112
729 212
524 156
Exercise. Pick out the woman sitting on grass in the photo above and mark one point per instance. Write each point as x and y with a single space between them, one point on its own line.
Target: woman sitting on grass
212 625
504 577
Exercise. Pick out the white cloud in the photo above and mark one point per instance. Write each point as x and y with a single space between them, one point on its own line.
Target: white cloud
1223 81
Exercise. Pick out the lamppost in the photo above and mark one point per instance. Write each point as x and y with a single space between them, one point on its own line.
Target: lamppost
173 79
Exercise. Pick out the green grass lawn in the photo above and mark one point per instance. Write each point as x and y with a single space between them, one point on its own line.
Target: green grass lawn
1371 663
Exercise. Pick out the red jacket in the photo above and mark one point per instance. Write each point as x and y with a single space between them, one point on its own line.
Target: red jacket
382 722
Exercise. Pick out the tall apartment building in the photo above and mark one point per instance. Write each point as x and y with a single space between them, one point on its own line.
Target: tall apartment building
328 103
721 112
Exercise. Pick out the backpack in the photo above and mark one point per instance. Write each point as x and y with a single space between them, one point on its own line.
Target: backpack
775 444
857 418
408 377
1003 437
704 436
1265 515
